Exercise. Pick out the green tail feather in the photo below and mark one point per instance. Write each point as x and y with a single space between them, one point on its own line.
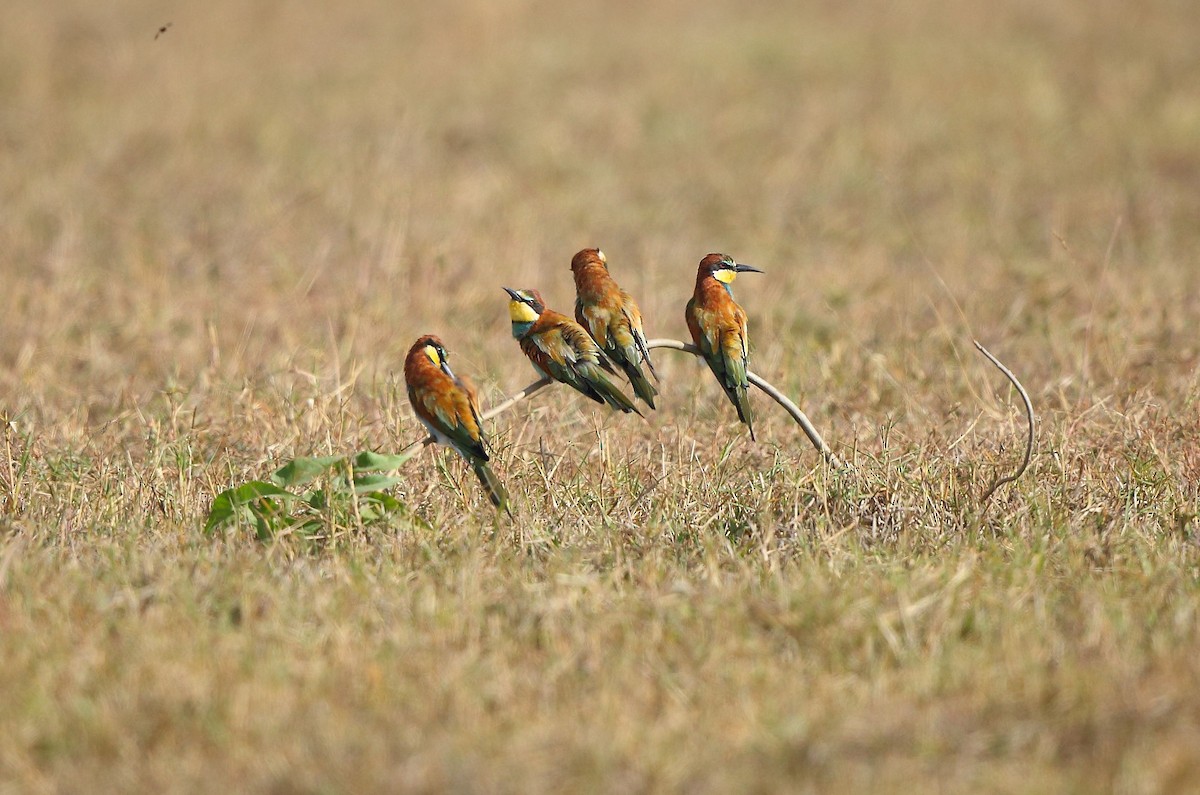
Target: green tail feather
612 395
741 402
491 484
641 385
736 394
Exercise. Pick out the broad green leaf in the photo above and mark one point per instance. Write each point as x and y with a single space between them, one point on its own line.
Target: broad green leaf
255 489
379 462
222 511
264 528
376 505
270 516
387 501
369 483
299 471
311 528
231 503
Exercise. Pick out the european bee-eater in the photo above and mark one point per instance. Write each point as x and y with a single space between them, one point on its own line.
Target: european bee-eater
560 349
448 407
609 314
718 327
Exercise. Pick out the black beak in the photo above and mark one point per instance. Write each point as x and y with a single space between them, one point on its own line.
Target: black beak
740 268
514 295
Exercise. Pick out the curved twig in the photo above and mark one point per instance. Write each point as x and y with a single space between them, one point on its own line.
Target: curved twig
987 495
788 406
517 398
418 443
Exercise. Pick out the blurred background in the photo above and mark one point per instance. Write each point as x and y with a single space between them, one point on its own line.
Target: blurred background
270 186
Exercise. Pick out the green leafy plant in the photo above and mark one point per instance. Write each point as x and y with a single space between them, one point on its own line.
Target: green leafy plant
340 489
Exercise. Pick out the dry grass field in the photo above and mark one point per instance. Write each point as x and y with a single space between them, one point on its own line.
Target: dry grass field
217 245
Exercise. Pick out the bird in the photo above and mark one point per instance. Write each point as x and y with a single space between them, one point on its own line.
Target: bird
718 327
561 349
614 321
448 407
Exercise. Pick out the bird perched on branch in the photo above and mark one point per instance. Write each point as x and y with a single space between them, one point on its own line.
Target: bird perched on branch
448 407
718 327
560 349
610 315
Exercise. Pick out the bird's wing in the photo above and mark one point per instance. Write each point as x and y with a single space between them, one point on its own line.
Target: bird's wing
451 411
735 351
624 344
595 319
706 333
551 353
586 351
634 317
472 396
549 346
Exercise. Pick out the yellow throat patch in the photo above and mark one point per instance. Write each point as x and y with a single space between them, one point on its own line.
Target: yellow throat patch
432 353
725 275
521 312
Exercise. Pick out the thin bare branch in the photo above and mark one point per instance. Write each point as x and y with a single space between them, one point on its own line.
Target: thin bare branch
790 407
1028 416
418 443
517 398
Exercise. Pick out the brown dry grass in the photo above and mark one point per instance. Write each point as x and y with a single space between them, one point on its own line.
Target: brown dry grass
217 246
